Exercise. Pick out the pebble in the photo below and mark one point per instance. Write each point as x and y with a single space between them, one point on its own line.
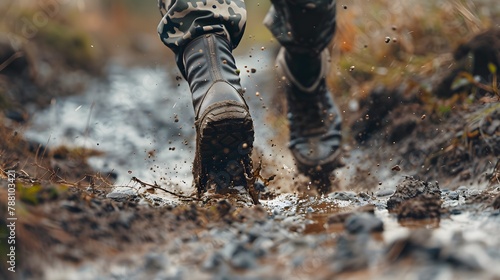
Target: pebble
474 192
155 262
213 261
363 223
382 193
453 195
118 196
364 196
343 195
244 260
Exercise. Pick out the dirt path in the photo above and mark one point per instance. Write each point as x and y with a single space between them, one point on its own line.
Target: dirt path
378 223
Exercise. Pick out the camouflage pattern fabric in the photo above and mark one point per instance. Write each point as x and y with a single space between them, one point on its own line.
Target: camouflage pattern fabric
185 20
303 26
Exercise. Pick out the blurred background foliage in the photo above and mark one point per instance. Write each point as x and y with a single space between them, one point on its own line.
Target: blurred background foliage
377 41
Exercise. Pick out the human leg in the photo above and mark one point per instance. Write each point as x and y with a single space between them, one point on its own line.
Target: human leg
202 34
304 28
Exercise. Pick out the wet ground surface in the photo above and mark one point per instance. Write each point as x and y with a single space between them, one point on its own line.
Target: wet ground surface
378 223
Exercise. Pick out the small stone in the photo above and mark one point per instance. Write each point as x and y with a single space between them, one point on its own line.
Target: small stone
155 262
244 260
474 192
382 193
213 261
343 195
117 196
396 168
363 223
453 195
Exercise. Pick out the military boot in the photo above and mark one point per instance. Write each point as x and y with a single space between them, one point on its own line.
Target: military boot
314 119
224 127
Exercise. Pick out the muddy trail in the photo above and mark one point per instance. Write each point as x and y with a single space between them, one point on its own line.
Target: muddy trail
98 143
418 195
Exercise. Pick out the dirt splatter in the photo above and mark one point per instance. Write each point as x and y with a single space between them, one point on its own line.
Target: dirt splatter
424 206
416 199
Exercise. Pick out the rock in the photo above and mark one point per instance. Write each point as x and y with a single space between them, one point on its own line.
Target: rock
213 261
155 262
347 196
453 195
350 253
340 218
118 196
467 257
364 196
411 188
263 244
363 223
244 260
474 192
122 193
382 193
422 207
418 243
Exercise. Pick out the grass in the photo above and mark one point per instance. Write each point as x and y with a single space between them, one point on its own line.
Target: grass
423 35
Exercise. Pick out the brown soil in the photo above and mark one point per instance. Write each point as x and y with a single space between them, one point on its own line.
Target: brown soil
415 199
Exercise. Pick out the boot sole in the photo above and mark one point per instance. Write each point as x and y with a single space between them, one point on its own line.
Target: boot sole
224 147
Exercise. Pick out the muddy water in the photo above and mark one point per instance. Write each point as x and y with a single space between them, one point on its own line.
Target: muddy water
142 119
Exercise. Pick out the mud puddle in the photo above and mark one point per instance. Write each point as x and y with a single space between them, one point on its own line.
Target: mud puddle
344 234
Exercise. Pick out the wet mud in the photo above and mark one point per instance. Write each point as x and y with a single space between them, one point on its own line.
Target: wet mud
415 199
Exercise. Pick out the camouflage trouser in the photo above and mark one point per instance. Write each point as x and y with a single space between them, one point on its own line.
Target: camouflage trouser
301 26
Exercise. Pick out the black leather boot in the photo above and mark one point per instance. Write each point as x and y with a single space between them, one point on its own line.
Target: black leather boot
315 121
224 127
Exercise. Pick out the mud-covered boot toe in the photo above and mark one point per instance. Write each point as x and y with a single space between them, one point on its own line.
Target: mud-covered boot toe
224 127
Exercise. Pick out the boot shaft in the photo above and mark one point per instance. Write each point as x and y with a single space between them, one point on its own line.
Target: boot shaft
211 72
